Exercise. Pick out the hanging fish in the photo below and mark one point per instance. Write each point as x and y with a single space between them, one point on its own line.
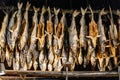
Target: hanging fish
3 30
73 37
59 36
41 56
33 36
40 34
101 60
23 62
43 66
113 31
93 30
35 57
113 51
49 31
9 56
80 56
16 60
50 58
16 28
83 30
29 60
25 25
59 65
71 59
64 56
9 28
101 31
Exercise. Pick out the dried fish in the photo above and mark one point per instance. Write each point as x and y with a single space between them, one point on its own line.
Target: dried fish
33 37
40 34
16 28
80 56
83 30
9 28
49 31
3 30
93 30
101 31
43 66
35 57
113 31
73 37
25 25
71 59
101 64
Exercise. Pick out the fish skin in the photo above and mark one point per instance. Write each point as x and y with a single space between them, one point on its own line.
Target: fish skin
3 30
93 30
50 59
101 64
40 34
73 38
35 57
113 30
33 36
64 56
59 65
9 28
56 21
43 66
49 31
71 59
83 30
101 31
41 56
16 27
80 56
25 25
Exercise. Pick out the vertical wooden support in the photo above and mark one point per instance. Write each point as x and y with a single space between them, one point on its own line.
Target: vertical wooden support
66 72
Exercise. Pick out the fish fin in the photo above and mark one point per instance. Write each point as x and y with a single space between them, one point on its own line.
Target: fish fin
28 6
35 9
83 11
10 30
56 11
75 13
43 10
20 5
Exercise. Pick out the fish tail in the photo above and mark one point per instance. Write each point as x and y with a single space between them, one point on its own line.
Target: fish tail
28 6
20 5
75 13
35 9
102 12
56 11
43 10
83 11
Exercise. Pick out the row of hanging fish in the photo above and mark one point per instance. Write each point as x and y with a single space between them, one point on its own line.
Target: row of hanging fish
43 45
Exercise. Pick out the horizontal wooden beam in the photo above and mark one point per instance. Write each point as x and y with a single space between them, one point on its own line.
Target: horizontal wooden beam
62 73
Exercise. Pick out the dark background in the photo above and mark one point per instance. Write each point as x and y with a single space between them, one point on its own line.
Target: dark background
66 4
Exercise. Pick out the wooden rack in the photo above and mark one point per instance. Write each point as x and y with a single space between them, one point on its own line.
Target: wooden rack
46 74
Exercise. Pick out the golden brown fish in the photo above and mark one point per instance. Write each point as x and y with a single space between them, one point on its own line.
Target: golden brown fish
83 30
9 32
40 34
35 57
16 28
73 37
49 31
3 31
33 36
25 25
101 31
93 30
